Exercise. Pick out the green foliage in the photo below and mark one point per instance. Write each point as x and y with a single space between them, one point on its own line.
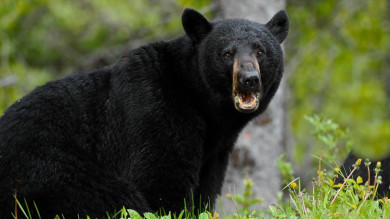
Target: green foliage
245 201
128 213
353 200
286 171
336 140
337 54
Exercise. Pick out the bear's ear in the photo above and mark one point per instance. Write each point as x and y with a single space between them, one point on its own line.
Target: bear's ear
278 25
195 25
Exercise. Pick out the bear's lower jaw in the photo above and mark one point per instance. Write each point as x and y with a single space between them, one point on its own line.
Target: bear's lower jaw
246 102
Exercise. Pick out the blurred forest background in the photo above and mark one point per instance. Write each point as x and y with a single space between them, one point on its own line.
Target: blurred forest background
337 55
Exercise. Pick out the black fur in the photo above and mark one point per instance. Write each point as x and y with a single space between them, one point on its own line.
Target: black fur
146 133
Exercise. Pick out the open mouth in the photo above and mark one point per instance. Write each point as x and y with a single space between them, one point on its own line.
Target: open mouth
246 102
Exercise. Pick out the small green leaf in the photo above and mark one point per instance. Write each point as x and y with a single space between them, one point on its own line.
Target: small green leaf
149 215
167 216
203 216
134 214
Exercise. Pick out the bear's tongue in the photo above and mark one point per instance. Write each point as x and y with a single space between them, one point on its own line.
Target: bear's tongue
247 97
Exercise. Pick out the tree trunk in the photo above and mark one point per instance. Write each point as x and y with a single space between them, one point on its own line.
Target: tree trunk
261 143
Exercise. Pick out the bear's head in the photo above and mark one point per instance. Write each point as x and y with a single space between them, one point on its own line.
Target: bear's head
239 60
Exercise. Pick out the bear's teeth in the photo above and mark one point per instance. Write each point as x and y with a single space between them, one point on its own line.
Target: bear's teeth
246 101
247 97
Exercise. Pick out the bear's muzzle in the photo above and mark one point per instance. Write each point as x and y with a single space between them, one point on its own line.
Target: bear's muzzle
246 84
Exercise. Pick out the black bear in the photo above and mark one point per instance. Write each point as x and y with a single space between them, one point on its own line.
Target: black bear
148 132
383 188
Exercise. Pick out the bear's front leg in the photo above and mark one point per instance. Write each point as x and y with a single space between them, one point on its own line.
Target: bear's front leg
168 176
212 176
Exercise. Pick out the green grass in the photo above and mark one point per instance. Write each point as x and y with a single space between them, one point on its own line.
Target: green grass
352 199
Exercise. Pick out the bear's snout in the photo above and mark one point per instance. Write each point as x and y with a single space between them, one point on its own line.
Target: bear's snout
249 81
248 74
246 84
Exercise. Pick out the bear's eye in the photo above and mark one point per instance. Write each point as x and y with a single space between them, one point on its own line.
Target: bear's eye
228 55
260 53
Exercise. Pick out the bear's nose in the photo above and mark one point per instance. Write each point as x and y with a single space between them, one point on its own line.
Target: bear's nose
249 81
